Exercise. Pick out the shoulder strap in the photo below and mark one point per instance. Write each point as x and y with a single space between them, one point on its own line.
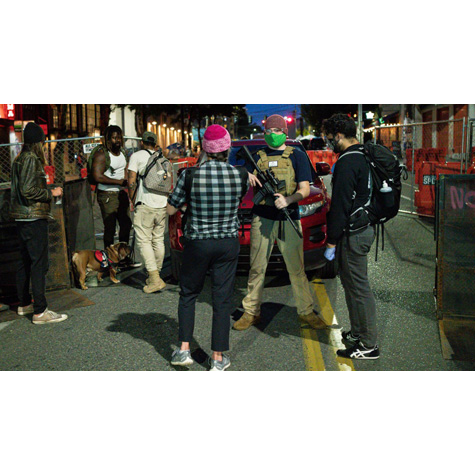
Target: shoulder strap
287 151
190 173
147 150
262 154
244 177
125 154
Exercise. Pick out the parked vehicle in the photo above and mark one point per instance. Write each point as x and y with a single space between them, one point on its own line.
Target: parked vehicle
313 212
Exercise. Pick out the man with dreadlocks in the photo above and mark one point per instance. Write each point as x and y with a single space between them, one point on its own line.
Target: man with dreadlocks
112 198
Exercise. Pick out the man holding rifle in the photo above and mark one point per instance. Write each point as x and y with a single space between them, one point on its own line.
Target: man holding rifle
270 223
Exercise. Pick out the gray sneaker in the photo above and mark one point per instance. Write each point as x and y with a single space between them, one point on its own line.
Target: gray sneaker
49 316
181 358
25 310
219 365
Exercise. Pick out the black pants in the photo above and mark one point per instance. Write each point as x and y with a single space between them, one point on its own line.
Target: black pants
220 256
34 263
114 207
353 262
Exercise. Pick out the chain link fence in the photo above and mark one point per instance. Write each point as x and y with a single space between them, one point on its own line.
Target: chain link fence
442 143
65 157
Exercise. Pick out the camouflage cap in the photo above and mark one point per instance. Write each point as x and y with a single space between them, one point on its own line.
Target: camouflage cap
149 137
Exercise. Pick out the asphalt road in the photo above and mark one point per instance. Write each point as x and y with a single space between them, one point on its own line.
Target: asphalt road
129 330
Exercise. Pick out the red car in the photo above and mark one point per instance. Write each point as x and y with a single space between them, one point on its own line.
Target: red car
313 214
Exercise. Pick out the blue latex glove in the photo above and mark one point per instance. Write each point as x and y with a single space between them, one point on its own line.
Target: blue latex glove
330 253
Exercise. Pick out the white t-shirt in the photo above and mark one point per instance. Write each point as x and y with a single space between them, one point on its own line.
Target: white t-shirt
115 171
138 163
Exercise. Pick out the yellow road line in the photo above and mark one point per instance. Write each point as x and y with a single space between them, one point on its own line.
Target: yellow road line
328 315
311 349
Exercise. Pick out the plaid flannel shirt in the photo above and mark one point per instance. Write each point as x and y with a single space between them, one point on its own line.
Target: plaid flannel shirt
216 192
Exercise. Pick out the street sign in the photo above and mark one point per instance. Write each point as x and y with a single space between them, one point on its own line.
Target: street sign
88 147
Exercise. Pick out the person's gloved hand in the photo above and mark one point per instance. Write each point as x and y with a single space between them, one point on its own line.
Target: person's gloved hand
330 253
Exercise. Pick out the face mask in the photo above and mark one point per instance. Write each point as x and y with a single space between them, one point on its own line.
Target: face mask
275 140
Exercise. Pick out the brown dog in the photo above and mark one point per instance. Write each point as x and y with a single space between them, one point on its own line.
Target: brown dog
85 262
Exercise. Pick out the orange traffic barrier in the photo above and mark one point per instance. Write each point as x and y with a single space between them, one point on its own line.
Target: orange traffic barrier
427 173
50 172
326 156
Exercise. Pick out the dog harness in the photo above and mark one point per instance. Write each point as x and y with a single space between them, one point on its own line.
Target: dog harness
103 259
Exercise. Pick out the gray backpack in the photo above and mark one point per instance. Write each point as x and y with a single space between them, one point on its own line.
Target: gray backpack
157 177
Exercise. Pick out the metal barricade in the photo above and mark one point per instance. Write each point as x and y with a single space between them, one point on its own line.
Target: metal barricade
78 216
65 157
439 142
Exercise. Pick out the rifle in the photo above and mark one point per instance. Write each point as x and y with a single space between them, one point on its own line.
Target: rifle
270 186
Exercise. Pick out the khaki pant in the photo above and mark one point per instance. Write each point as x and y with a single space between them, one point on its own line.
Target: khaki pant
149 225
264 232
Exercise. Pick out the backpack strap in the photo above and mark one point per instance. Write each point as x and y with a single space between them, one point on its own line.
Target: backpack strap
189 175
244 177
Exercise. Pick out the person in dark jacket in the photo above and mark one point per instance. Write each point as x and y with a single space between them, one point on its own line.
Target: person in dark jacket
351 187
31 209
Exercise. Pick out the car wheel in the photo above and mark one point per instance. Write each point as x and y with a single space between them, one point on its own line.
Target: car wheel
175 261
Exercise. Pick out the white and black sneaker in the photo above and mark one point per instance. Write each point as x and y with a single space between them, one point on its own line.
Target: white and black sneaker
349 338
360 352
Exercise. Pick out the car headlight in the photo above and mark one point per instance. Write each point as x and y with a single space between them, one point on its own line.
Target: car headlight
312 208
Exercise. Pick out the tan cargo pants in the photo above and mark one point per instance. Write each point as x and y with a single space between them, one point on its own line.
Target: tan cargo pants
149 225
264 232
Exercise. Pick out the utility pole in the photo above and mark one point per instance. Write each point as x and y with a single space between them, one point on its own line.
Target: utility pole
182 116
360 123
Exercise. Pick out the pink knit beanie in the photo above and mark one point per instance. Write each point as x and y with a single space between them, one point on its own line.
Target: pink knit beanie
216 139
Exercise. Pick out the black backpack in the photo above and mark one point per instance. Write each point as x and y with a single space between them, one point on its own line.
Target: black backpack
385 172
381 207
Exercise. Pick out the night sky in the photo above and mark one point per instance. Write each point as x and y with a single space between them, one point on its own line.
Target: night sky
258 111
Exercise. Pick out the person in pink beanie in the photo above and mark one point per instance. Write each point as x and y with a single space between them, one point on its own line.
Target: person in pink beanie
212 193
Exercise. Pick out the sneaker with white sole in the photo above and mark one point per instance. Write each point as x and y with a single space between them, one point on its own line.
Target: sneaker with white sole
25 310
348 337
48 316
219 365
360 352
181 358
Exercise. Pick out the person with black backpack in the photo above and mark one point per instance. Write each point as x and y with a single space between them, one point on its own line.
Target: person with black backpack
351 192
150 180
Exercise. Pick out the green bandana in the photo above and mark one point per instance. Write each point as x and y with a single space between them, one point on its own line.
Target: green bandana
275 140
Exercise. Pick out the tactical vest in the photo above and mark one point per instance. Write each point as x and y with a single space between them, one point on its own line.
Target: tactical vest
282 168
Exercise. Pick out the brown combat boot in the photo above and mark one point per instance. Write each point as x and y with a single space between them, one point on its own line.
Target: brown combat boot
314 321
246 321
155 283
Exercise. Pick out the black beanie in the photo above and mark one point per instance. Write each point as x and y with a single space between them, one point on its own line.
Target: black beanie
33 133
